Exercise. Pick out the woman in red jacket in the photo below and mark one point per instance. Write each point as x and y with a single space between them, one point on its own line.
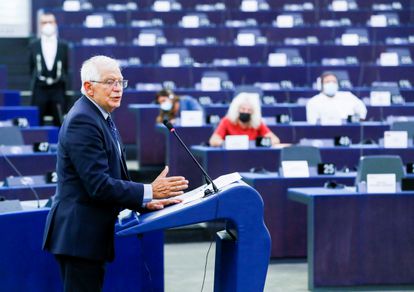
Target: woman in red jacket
244 117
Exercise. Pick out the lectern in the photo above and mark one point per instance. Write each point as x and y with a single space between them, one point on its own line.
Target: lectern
242 249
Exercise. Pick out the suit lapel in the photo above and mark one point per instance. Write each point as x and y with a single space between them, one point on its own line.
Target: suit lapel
120 156
42 58
59 54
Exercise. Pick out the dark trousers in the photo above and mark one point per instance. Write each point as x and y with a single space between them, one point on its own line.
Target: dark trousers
81 275
51 101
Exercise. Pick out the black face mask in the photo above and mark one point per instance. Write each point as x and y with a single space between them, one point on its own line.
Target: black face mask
244 117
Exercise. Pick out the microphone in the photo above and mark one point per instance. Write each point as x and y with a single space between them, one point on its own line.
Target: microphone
20 174
293 127
206 176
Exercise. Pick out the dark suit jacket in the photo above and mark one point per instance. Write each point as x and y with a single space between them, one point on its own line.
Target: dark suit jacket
93 185
35 49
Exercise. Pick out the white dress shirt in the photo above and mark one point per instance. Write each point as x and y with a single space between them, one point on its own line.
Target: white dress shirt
49 50
340 106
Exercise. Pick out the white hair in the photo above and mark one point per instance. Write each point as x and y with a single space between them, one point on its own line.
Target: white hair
246 98
91 69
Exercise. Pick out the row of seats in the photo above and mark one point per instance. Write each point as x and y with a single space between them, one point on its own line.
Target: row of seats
238 36
286 67
22 141
222 56
274 57
367 165
270 78
19 147
243 5
43 186
189 19
387 43
282 97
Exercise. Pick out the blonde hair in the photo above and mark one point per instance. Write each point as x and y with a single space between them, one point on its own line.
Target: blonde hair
246 98
91 68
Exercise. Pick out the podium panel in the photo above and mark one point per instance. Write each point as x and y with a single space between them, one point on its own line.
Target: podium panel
242 250
24 266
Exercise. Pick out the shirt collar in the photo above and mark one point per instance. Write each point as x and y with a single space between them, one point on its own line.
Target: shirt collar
104 113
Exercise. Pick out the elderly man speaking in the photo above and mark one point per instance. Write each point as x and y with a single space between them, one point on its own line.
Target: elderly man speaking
93 181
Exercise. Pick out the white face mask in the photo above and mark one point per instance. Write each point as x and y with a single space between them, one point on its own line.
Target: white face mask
48 30
330 88
166 106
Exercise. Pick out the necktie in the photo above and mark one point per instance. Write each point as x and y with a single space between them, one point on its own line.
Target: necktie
115 135
114 131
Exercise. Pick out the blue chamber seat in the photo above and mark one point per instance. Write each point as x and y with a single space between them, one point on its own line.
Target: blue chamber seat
378 164
298 152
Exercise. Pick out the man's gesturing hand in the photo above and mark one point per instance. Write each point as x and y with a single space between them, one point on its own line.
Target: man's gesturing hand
166 187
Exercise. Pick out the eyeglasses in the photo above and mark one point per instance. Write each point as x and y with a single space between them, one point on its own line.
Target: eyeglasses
112 83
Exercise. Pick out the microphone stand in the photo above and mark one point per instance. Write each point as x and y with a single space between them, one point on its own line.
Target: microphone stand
206 176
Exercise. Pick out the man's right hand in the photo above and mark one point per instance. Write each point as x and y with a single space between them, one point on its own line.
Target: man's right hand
160 204
166 187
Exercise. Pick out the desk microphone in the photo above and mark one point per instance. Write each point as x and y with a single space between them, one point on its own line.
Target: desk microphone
20 174
362 138
293 127
206 176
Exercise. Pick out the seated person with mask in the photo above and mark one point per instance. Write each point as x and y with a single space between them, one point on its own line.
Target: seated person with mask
244 117
171 105
333 105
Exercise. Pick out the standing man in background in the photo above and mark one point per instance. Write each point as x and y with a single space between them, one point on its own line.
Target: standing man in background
49 69
93 181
